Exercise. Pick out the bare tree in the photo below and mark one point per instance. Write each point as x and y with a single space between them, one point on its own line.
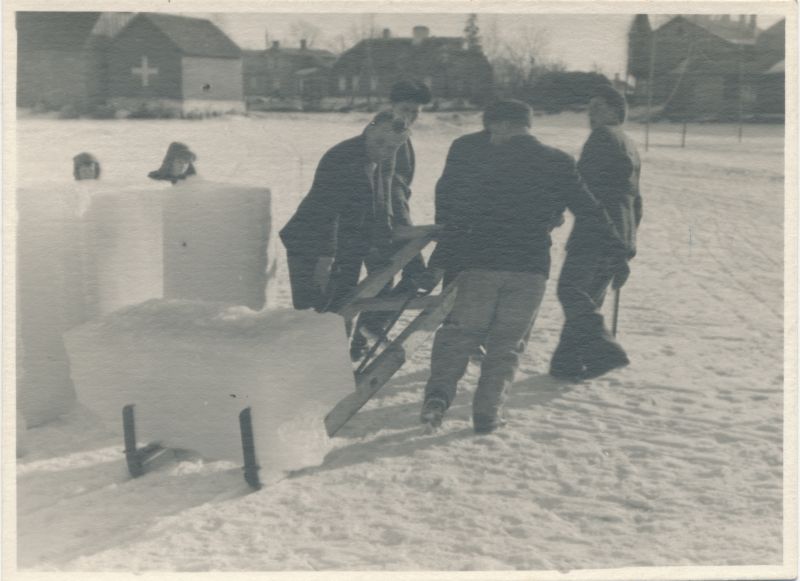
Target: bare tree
304 30
518 56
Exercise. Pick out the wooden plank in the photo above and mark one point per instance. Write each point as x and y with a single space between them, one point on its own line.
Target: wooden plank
372 284
381 370
378 304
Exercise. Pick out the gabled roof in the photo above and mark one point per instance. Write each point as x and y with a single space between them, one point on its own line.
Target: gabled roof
726 33
191 36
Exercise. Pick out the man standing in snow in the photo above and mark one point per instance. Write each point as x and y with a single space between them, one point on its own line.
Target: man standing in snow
609 164
346 217
505 256
407 98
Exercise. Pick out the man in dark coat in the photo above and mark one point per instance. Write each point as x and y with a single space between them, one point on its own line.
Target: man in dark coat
407 98
345 217
609 164
505 256
458 193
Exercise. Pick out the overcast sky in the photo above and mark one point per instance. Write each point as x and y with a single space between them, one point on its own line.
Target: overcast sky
581 41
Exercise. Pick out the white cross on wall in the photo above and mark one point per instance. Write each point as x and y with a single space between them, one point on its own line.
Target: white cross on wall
144 71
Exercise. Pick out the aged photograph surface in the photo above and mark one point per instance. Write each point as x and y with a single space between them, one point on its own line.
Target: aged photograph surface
409 291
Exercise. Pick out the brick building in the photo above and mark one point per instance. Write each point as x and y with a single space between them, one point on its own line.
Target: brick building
447 65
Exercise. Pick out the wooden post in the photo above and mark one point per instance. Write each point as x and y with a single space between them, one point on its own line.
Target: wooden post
650 77
739 92
683 135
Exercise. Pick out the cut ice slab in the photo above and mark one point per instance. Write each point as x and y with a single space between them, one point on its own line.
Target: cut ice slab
191 367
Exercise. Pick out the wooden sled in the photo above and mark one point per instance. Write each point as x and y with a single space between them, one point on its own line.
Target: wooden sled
434 309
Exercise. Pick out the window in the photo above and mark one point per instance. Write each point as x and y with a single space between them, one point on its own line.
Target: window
342 84
356 80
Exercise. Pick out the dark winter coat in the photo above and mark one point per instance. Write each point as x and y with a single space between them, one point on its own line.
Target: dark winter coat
457 193
609 164
526 184
339 217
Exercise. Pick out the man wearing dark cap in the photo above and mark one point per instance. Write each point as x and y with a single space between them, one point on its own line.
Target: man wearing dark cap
609 164
346 217
407 98
504 251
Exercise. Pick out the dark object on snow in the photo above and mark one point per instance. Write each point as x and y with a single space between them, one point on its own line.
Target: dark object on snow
251 467
85 167
137 458
177 165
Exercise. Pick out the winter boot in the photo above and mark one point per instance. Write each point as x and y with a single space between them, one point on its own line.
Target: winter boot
433 412
484 424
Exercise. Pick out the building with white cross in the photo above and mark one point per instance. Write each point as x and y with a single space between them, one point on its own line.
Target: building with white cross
167 62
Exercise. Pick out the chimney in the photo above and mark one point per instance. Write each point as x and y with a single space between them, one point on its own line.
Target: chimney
302 44
752 23
275 45
387 33
420 33
742 23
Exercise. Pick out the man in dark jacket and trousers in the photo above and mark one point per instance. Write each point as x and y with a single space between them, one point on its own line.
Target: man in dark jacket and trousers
609 164
345 218
505 255
407 98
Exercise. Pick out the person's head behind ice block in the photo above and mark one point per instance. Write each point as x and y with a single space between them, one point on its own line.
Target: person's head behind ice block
407 97
178 164
385 134
85 167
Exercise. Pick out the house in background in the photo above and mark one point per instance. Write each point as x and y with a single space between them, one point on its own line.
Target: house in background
712 67
451 68
287 74
54 59
162 61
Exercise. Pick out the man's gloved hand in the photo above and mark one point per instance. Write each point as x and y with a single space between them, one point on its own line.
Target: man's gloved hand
621 271
322 272
427 280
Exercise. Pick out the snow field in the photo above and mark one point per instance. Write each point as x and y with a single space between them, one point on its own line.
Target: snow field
675 461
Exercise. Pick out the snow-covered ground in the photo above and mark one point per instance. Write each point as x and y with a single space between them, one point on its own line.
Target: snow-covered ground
674 461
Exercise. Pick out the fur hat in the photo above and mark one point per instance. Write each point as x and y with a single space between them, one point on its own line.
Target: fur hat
175 151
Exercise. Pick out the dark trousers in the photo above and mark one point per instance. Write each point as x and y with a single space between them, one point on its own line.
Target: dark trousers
585 341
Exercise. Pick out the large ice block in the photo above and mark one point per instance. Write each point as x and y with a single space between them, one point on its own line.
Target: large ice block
50 297
190 367
216 239
123 246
